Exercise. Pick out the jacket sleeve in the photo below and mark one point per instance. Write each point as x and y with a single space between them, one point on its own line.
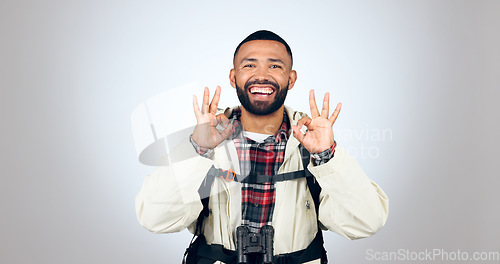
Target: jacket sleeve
168 200
350 203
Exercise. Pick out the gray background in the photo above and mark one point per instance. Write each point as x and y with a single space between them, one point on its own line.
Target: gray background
71 72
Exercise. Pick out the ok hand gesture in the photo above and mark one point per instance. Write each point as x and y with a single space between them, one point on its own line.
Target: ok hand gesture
319 135
205 134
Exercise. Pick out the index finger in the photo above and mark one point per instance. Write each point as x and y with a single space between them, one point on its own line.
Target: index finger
335 113
196 107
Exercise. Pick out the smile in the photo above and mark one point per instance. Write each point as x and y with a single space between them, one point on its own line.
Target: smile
261 90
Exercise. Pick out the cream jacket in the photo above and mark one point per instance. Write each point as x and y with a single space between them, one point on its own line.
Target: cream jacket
351 204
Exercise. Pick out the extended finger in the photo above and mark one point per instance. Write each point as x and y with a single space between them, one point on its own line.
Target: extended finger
326 105
312 105
335 113
206 97
196 107
215 101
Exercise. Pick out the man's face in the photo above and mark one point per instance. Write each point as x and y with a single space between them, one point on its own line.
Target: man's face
262 75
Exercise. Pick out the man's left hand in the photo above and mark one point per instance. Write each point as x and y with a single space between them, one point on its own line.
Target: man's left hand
319 135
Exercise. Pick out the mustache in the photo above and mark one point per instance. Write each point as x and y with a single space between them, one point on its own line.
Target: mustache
249 83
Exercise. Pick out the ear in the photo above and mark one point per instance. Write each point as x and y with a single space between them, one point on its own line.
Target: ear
292 79
232 79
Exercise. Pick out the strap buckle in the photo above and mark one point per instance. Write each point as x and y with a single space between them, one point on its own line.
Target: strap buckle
229 176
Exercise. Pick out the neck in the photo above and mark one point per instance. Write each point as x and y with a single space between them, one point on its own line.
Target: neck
268 124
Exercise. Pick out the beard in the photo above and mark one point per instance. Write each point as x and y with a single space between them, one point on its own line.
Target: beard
261 108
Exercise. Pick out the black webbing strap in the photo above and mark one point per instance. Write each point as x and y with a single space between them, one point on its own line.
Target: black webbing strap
230 175
315 190
212 253
204 192
313 186
312 252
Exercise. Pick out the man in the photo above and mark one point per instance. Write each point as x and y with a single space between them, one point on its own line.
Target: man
261 139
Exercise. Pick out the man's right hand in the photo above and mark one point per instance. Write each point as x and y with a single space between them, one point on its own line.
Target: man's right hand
205 134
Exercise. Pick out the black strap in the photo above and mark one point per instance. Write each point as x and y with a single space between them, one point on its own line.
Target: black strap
312 184
204 192
315 191
230 175
211 253
257 179
313 251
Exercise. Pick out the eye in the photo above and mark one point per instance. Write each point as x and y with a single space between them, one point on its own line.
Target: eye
274 66
248 66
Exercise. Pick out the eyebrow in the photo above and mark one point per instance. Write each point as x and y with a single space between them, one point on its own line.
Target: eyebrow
254 60
248 59
275 60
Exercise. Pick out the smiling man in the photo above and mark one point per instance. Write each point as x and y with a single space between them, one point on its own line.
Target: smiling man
265 68
261 180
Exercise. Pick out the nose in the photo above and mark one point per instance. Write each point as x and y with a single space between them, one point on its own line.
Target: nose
261 74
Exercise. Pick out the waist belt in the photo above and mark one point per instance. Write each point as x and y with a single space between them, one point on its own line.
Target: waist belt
210 253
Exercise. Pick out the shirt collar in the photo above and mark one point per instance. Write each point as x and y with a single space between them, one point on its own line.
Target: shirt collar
282 134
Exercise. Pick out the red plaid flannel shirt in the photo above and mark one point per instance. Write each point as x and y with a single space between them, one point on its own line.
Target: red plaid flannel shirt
263 158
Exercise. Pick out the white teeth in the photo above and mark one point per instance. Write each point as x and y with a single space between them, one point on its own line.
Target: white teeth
261 90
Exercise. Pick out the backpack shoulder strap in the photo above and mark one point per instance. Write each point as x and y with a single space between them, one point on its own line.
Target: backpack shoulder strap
204 192
312 184
315 190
